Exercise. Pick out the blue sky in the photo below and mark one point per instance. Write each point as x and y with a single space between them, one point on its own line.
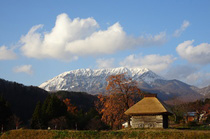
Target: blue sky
41 39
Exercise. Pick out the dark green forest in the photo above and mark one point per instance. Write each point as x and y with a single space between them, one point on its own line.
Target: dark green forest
82 100
32 107
21 99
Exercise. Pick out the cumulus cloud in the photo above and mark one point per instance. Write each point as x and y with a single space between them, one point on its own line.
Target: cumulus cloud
24 69
199 54
179 31
53 44
70 39
111 40
105 63
7 54
154 62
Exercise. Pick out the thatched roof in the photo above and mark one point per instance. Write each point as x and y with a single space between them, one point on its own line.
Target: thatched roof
149 105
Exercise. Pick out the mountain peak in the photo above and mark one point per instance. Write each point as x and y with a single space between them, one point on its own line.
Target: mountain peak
94 82
88 80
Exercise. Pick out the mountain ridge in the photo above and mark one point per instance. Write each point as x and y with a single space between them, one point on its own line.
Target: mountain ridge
94 82
99 75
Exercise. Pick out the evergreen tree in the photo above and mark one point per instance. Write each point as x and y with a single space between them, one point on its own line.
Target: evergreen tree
37 118
5 112
44 109
52 108
55 108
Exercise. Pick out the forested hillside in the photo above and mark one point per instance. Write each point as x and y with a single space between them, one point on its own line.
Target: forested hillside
83 101
22 99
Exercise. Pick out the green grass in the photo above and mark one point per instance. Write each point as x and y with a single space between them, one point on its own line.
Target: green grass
204 127
198 127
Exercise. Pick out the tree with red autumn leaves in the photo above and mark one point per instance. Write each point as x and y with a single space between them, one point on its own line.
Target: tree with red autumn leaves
120 93
70 108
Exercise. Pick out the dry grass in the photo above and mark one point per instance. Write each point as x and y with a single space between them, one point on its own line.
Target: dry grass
121 134
27 134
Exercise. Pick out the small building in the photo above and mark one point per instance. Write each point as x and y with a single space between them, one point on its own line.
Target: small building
198 117
191 117
149 112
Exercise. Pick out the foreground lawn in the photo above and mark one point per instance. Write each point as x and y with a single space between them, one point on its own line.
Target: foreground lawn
118 134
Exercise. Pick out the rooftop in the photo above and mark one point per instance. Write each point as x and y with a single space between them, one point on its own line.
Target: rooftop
150 104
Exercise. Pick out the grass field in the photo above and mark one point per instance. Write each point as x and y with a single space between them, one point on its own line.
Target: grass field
117 134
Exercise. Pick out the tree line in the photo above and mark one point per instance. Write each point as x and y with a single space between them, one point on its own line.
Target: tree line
61 114
104 112
107 113
81 111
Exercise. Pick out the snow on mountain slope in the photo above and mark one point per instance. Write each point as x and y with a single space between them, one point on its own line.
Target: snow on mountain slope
94 81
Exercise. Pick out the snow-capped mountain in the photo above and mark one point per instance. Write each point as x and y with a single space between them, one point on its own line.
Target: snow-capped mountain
94 82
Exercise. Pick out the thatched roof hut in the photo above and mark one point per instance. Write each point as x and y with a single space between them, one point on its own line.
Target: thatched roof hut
150 104
149 112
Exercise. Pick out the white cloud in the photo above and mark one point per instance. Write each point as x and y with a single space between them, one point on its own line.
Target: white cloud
199 54
24 68
155 63
7 54
180 72
189 74
111 40
179 31
199 79
53 44
80 37
105 63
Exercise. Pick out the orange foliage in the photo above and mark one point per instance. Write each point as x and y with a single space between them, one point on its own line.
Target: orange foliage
120 93
70 108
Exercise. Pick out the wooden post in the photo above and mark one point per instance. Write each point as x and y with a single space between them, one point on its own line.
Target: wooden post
129 121
2 128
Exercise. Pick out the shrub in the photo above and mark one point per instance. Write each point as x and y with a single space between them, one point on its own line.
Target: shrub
192 123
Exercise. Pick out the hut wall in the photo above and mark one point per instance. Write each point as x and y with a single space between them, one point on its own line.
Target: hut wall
149 121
